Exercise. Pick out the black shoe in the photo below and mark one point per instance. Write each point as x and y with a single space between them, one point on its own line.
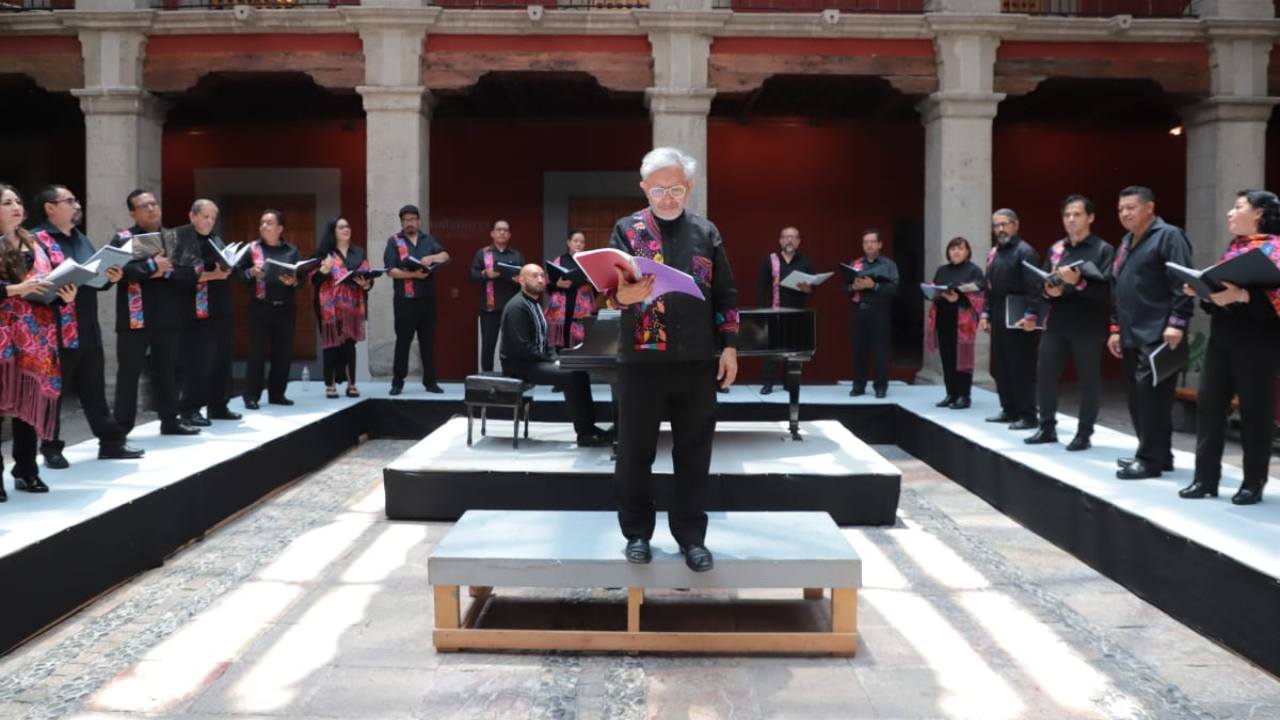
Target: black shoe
54 460
177 428
881 392
194 419
431 388
961 403
638 551
1127 461
1042 436
397 389
722 390
1002 417
1197 490
4 497
945 402
1079 442
282 400
119 452
557 390
223 414
34 484
697 557
767 389
593 439
857 391
1023 424
250 404
1137 470
1248 495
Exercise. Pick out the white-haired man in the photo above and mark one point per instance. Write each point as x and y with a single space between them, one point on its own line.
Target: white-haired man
667 358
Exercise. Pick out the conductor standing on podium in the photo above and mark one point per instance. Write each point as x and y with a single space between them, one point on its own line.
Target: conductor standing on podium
667 366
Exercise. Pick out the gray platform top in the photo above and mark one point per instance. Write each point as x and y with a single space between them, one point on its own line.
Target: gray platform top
547 548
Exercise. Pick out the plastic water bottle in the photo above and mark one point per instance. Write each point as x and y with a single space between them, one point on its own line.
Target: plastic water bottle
306 378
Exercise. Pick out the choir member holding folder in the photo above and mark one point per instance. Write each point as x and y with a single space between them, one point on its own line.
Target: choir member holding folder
411 258
1073 304
774 292
80 351
210 321
952 329
495 267
1011 318
569 295
30 381
1243 354
872 281
270 268
1148 308
342 285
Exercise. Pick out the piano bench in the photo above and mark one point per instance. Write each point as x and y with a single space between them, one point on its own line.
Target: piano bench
487 390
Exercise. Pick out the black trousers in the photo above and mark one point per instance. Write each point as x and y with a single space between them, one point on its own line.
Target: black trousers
414 316
1246 369
1015 369
24 450
1086 351
1150 409
576 385
870 327
958 384
206 365
131 355
270 336
490 322
340 363
686 394
82 373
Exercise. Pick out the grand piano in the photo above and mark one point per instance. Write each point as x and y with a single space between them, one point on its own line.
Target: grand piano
787 335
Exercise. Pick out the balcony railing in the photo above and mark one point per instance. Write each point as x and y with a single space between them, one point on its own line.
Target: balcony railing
1101 8
260 4
889 7
548 4
20 5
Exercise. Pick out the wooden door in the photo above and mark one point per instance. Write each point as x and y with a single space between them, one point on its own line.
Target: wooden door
595 217
239 219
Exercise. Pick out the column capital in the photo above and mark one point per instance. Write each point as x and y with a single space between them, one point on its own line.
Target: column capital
1229 108
679 101
968 105
139 20
412 15
691 21
402 98
120 101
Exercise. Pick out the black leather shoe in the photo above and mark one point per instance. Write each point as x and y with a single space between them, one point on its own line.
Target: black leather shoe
120 452
432 388
945 402
1002 417
767 389
250 404
961 403
1023 424
1248 495
224 414
697 557
881 392
1079 442
55 461
1197 490
1127 461
280 401
595 439
638 551
194 419
178 428
34 484
4 497
1042 436
722 390
1138 470
397 389
857 391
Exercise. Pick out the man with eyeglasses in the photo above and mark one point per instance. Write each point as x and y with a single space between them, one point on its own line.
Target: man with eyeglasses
1013 349
871 293
79 333
411 258
771 294
495 267
667 366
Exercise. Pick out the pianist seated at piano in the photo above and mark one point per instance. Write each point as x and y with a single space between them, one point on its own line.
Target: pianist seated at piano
526 353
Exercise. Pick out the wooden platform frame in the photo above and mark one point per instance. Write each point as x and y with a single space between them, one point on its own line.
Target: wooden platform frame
454 631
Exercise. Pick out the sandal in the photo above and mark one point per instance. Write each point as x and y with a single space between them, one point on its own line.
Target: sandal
331 393
352 391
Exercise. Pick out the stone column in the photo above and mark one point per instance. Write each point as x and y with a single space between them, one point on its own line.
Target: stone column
957 193
680 99
397 128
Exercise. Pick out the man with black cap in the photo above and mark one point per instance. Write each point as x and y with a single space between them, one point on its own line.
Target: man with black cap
411 258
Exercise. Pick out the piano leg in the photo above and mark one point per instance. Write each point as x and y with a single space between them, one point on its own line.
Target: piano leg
792 382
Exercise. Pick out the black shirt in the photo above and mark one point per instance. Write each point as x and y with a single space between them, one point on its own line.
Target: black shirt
1081 308
1147 298
885 272
424 246
76 246
164 299
221 309
787 297
952 275
277 292
1006 275
503 288
523 339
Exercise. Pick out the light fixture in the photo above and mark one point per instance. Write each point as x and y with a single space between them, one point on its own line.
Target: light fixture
1176 130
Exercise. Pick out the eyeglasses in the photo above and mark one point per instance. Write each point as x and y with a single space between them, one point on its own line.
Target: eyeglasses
790 237
69 200
149 205
675 192
998 225
502 230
